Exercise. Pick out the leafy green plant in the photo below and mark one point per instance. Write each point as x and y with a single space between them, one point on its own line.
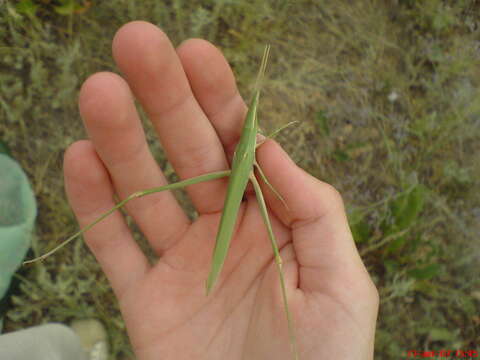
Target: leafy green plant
425 272
361 229
27 7
405 210
70 7
32 8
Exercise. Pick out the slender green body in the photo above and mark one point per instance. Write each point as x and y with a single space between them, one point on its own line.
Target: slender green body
242 166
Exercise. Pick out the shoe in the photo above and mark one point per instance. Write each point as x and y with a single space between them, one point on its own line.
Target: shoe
93 338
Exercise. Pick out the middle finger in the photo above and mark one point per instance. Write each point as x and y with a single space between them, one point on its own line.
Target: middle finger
156 76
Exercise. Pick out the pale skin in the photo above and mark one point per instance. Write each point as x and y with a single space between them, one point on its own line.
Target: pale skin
192 100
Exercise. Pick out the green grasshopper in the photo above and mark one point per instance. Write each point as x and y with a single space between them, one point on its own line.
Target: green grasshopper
241 173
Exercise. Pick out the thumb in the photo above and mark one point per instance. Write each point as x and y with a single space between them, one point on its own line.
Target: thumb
315 214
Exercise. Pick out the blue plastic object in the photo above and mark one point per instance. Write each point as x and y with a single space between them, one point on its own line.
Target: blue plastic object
18 210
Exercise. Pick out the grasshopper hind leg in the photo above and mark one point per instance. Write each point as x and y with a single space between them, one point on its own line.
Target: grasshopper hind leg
278 262
265 180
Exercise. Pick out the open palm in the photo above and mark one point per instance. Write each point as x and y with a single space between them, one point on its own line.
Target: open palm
191 98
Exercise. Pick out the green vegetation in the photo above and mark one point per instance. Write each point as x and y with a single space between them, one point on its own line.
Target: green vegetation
387 95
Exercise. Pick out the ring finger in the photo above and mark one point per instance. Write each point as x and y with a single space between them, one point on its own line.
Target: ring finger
112 122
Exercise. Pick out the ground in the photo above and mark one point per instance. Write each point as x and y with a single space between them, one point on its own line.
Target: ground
386 95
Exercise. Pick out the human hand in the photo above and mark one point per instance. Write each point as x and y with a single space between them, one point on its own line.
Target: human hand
191 98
